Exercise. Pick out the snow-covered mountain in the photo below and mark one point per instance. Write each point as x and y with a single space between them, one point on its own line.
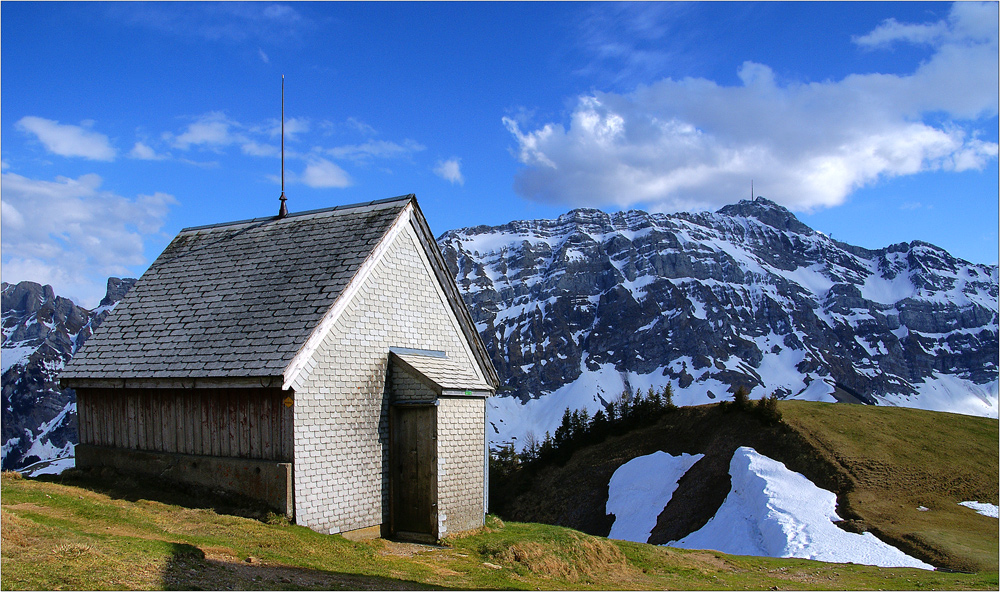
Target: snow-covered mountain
41 332
576 310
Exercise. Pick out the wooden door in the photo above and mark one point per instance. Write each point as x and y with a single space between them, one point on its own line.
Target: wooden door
414 472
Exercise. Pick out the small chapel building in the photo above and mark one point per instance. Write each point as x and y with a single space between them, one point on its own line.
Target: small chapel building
323 362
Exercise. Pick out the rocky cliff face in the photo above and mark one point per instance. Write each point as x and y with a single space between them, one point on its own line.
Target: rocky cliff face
576 310
41 331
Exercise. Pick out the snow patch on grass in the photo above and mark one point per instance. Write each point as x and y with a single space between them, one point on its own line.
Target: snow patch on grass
48 467
640 489
990 510
774 512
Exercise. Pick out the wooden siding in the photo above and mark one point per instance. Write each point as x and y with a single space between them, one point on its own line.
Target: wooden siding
240 423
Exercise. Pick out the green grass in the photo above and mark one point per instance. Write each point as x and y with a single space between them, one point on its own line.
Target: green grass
899 460
883 462
60 536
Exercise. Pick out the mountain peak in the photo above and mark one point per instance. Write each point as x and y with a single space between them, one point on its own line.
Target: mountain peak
767 212
584 216
117 287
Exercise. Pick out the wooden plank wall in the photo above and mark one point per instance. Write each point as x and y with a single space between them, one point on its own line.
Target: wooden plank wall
242 423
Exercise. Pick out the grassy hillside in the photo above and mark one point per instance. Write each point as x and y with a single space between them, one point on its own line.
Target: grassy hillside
899 460
884 463
58 536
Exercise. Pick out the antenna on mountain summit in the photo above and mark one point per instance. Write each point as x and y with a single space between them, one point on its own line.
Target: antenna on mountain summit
752 198
283 211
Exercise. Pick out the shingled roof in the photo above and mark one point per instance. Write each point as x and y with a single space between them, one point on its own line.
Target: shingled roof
437 371
239 299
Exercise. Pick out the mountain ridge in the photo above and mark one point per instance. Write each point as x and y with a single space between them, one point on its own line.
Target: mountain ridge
41 332
577 309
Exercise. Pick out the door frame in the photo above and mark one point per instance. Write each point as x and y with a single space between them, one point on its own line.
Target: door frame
395 410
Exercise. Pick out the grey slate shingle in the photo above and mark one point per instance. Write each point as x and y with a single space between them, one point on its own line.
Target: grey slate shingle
445 373
235 300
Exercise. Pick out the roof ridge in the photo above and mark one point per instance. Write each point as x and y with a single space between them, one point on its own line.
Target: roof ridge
359 205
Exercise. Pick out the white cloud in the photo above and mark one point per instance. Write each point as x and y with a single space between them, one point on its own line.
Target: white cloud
216 132
890 30
233 22
320 173
695 144
376 149
252 148
450 170
210 130
967 22
634 40
263 56
71 234
293 127
360 126
143 151
68 140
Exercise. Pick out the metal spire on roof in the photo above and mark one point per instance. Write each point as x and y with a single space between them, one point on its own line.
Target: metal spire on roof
283 211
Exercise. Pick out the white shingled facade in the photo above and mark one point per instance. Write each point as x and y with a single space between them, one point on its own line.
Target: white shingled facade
341 431
461 474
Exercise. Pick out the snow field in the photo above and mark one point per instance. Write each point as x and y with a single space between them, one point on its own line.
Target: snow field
774 512
49 467
639 487
15 355
950 393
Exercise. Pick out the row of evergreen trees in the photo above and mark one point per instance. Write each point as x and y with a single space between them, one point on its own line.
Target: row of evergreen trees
628 412
578 428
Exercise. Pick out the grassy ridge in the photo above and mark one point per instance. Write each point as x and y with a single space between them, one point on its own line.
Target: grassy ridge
66 536
883 462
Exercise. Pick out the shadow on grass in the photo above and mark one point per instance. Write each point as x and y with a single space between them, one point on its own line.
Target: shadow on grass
133 487
189 569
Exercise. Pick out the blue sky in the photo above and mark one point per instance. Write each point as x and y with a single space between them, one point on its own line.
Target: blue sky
124 122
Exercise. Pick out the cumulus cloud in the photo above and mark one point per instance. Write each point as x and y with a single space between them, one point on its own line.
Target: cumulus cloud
322 173
695 144
71 234
450 170
68 140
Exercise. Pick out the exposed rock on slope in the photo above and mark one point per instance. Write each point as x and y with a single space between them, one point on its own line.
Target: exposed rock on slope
41 332
576 310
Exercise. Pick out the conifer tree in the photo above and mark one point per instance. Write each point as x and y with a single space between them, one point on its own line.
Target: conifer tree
741 398
668 398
